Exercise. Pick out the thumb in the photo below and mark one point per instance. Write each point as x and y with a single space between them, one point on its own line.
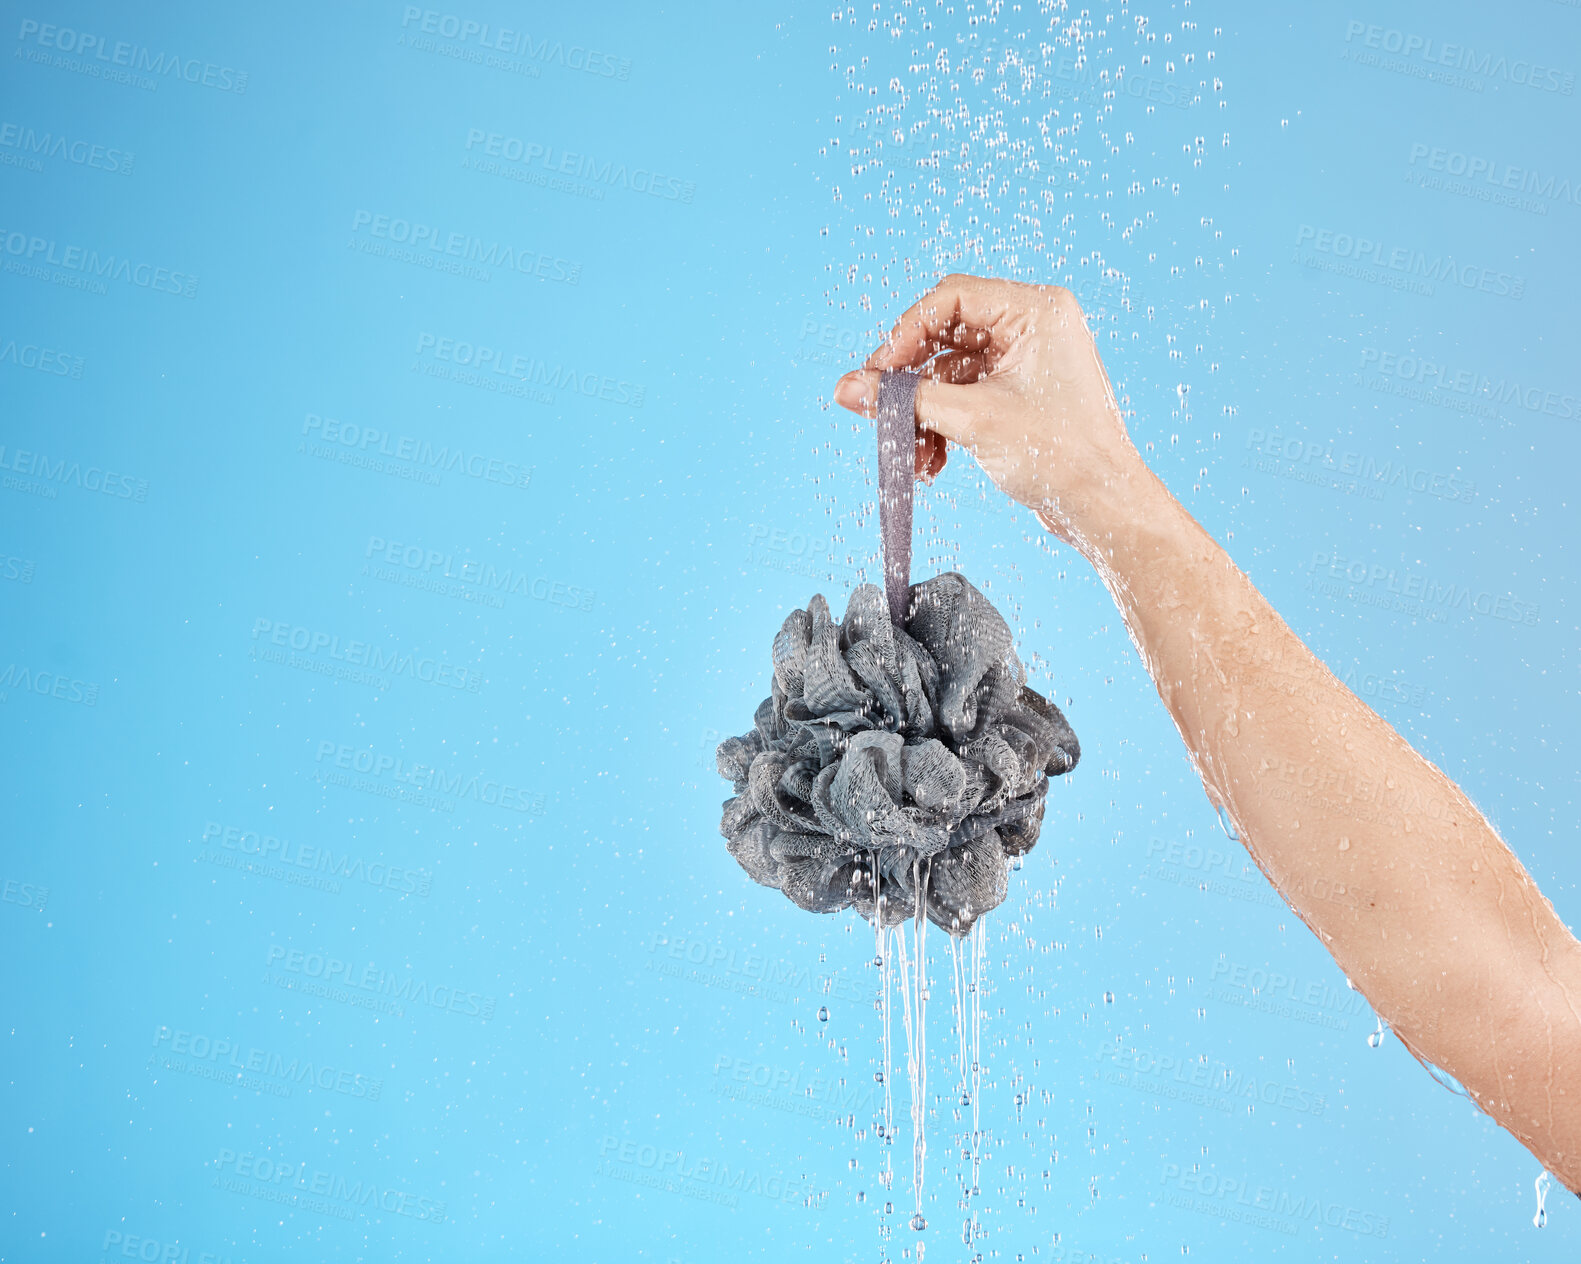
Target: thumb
940 407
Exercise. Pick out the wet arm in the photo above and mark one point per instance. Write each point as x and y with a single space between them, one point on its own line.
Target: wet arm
1420 902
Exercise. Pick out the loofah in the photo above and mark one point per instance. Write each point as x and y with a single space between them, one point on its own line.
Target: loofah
894 756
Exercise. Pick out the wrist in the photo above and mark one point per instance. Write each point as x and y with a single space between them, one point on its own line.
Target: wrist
1106 514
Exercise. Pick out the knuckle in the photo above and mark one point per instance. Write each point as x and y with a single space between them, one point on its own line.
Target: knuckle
1066 303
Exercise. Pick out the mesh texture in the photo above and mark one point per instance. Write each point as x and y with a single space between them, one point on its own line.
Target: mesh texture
894 759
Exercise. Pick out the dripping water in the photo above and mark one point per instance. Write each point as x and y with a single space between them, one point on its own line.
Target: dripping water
1226 824
968 978
914 997
1447 1080
881 939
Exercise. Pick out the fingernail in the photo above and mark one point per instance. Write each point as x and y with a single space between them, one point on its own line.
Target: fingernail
849 392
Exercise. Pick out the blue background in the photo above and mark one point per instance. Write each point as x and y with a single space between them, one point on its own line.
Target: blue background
565 1024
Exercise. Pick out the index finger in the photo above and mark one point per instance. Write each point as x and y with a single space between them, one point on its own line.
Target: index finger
937 319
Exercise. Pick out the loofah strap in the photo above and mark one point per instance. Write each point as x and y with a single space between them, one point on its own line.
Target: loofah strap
897 472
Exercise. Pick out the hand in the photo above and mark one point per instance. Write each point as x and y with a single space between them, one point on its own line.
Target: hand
1011 374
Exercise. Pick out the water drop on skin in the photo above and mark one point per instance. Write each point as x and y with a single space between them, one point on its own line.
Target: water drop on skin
1228 826
1344 844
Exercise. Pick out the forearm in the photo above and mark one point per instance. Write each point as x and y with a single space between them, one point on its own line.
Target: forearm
1419 901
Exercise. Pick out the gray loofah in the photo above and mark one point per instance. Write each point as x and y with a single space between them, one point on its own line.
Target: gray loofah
913 757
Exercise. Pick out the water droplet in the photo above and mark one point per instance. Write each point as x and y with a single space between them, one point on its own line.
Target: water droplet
823 1013
1227 825
918 1223
1376 1038
1344 844
1108 998
1543 1181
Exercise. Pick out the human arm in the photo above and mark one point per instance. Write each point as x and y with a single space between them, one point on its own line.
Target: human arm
1440 926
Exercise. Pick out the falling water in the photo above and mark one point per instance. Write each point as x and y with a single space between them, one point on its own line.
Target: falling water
1544 1179
979 954
967 980
881 938
914 1002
